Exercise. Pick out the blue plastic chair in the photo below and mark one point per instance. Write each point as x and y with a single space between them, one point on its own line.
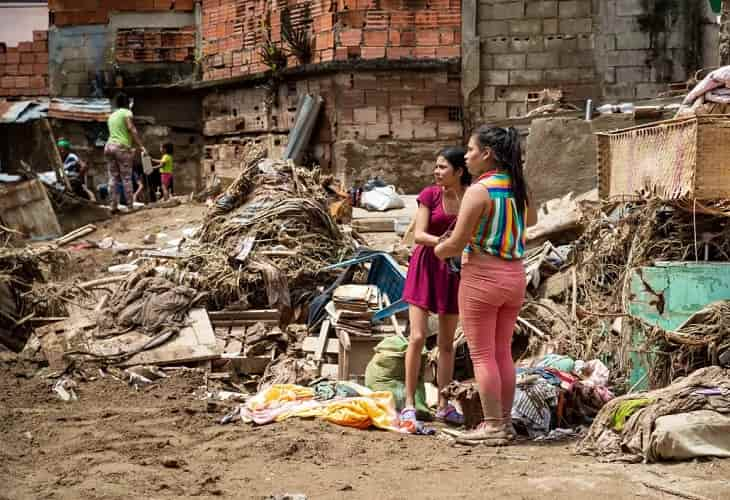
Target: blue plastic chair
387 275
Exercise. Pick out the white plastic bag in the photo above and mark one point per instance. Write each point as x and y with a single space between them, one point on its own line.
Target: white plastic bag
380 199
147 164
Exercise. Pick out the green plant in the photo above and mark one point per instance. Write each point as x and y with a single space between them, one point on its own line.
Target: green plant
298 39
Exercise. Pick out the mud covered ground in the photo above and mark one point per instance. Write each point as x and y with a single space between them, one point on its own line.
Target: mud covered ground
162 442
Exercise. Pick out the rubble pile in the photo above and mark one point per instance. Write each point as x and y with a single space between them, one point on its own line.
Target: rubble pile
270 231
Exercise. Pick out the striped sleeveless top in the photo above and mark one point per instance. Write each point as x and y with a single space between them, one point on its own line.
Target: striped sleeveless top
501 230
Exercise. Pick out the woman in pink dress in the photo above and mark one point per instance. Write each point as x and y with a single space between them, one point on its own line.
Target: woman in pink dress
430 286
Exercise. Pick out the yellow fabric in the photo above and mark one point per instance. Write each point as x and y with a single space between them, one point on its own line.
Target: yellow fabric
369 409
280 393
377 409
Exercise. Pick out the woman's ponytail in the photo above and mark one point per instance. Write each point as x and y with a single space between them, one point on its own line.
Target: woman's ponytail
505 143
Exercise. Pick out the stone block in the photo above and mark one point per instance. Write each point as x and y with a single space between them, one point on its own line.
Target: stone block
574 8
516 109
402 129
366 115
525 27
495 77
609 75
449 130
620 91
377 131
425 130
493 28
606 42
541 9
489 93
543 60
494 110
515 94
569 75
575 26
415 113
508 10
633 74
633 41
497 45
625 58
549 26
527 44
630 8
580 59
525 77
586 41
561 43
509 61
486 61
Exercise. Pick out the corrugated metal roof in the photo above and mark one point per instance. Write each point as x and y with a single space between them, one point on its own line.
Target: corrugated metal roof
90 109
22 111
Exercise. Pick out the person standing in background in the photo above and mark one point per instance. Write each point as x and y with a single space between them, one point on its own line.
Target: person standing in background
119 151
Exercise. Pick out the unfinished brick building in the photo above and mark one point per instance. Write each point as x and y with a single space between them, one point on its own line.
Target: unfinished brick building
399 78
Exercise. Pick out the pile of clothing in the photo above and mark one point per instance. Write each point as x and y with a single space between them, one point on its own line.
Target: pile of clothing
687 419
559 392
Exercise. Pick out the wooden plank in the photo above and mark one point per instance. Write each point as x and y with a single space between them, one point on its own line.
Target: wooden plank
196 342
322 340
242 322
249 315
374 225
310 345
56 159
249 365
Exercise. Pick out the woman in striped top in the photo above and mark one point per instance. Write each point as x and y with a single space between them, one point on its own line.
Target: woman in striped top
490 231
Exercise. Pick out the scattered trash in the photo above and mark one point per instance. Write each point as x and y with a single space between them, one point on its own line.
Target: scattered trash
65 389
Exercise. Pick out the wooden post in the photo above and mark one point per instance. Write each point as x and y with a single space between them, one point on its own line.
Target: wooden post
56 156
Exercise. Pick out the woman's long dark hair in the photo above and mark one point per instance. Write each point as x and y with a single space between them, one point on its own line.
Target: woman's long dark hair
455 156
505 144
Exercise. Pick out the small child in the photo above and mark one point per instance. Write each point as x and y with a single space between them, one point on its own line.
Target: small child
165 166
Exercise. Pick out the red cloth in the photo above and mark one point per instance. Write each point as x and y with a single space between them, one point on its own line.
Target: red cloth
429 283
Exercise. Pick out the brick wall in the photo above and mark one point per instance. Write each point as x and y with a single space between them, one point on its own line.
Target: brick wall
155 45
588 48
234 31
85 12
24 68
401 118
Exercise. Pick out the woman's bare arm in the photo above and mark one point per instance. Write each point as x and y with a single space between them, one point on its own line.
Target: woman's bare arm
133 130
472 207
421 236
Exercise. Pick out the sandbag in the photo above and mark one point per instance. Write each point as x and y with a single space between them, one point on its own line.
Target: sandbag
386 371
381 199
684 436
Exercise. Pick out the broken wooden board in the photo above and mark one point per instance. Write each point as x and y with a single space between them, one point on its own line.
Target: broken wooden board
244 318
374 225
557 284
310 345
196 342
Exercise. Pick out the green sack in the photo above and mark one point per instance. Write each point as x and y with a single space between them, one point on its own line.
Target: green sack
386 371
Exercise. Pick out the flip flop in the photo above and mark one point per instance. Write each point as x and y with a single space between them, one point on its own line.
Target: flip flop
450 416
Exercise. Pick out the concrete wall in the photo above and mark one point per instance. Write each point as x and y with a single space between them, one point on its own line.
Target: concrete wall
76 59
18 22
599 49
387 123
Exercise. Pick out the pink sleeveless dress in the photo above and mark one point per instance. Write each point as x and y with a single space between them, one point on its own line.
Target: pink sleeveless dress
429 283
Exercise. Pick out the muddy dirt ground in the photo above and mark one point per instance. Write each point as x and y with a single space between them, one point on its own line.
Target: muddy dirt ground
163 441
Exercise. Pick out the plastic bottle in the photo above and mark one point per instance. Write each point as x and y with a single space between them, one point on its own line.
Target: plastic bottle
626 107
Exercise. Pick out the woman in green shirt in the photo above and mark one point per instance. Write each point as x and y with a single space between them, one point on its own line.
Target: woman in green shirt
119 152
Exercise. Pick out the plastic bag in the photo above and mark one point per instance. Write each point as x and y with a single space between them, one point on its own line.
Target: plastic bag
147 164
381 199
386 371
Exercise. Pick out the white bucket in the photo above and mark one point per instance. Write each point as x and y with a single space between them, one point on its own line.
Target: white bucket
147 164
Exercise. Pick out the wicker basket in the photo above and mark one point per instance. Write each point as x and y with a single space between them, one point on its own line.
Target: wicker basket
673 159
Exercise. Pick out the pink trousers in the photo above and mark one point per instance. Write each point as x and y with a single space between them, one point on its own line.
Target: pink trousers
491 293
